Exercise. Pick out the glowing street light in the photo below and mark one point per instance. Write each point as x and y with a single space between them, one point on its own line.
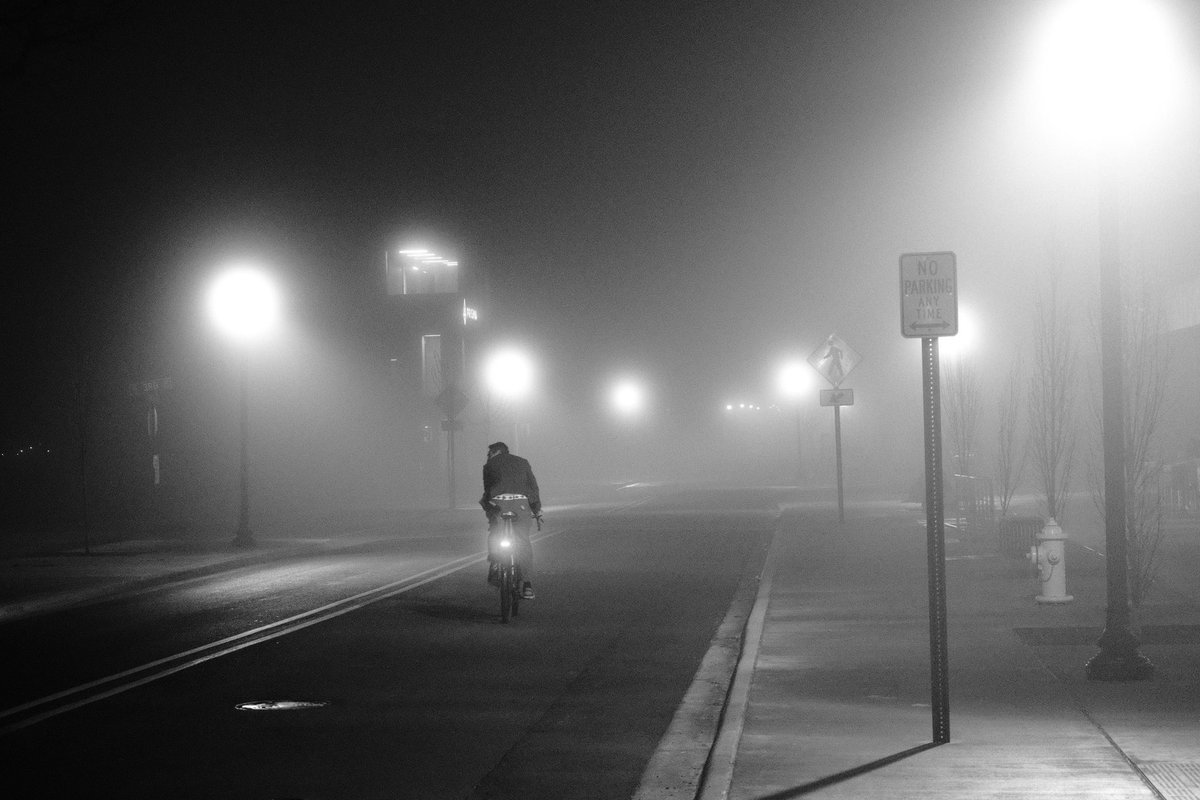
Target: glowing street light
628 398
1110 72
509 375
961 344
795 381
1106 72
244 305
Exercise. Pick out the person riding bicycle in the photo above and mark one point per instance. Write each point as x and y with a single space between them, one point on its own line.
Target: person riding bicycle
509 485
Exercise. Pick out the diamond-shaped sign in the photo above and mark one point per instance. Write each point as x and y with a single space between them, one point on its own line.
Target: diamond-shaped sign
834 359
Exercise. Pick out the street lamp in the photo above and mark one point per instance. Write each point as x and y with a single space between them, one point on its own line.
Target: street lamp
795 381
509 375
959 346
1109 71
244 305
628 398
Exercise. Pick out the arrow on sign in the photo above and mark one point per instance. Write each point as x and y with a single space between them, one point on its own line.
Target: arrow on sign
929 325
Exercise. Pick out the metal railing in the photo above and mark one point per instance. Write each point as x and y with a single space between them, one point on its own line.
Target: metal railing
971 505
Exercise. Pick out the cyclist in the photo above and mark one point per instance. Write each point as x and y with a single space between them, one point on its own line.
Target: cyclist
509 485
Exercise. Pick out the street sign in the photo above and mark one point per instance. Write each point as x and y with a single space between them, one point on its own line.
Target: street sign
151 386
928 295
451 401
837 397
834 359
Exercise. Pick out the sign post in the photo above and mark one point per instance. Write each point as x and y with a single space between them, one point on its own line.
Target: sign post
834 359
451 401
928 310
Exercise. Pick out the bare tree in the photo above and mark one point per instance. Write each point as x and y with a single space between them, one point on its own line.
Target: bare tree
961 398
1052 435
1011 454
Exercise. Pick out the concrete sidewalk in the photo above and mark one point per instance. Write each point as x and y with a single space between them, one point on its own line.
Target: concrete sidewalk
838 704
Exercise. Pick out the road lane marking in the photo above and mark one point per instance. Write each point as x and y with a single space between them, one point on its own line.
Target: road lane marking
86 693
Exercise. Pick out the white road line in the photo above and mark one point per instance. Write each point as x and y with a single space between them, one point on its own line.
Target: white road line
161 668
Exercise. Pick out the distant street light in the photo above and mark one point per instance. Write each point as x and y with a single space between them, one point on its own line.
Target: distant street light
1108 72
795 382
244 305
959 346
509 375
628 398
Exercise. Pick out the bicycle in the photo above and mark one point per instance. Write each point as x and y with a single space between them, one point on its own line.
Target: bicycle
509 582
510 587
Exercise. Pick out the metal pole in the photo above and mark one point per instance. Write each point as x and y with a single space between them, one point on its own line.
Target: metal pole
450 461
83 396
939 668
243 537
799 446
1118 659
837 439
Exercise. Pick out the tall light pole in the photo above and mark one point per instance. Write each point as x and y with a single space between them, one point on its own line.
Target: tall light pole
795 381
628 403
509 375
244 304
1107 71
628 398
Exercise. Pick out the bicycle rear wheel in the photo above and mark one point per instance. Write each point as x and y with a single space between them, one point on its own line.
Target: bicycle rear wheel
507 580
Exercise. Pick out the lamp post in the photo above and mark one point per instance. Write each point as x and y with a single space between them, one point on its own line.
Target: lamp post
628 404
628 399
244 306
509 376
794 381
1106 72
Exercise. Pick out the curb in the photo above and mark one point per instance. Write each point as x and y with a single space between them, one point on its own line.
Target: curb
679 767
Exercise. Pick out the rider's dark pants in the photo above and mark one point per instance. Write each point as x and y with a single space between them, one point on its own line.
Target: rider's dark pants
522 527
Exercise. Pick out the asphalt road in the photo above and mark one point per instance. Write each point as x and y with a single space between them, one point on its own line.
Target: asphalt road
418 690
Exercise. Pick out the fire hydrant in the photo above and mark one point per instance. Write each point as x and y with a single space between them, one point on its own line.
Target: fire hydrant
1049 557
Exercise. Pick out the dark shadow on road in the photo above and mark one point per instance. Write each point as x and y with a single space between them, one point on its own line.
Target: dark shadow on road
823 783
458 613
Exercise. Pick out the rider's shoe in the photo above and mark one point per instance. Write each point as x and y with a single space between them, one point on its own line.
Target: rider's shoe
527 592
493 574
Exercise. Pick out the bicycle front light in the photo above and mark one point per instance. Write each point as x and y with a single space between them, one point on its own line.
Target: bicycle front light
505 543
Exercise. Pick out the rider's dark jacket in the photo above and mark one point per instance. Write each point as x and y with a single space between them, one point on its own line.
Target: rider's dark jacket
505 473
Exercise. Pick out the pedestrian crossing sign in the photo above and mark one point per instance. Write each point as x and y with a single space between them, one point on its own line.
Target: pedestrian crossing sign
834 359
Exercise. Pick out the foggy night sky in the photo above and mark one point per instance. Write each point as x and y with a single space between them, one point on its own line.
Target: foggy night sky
691 189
